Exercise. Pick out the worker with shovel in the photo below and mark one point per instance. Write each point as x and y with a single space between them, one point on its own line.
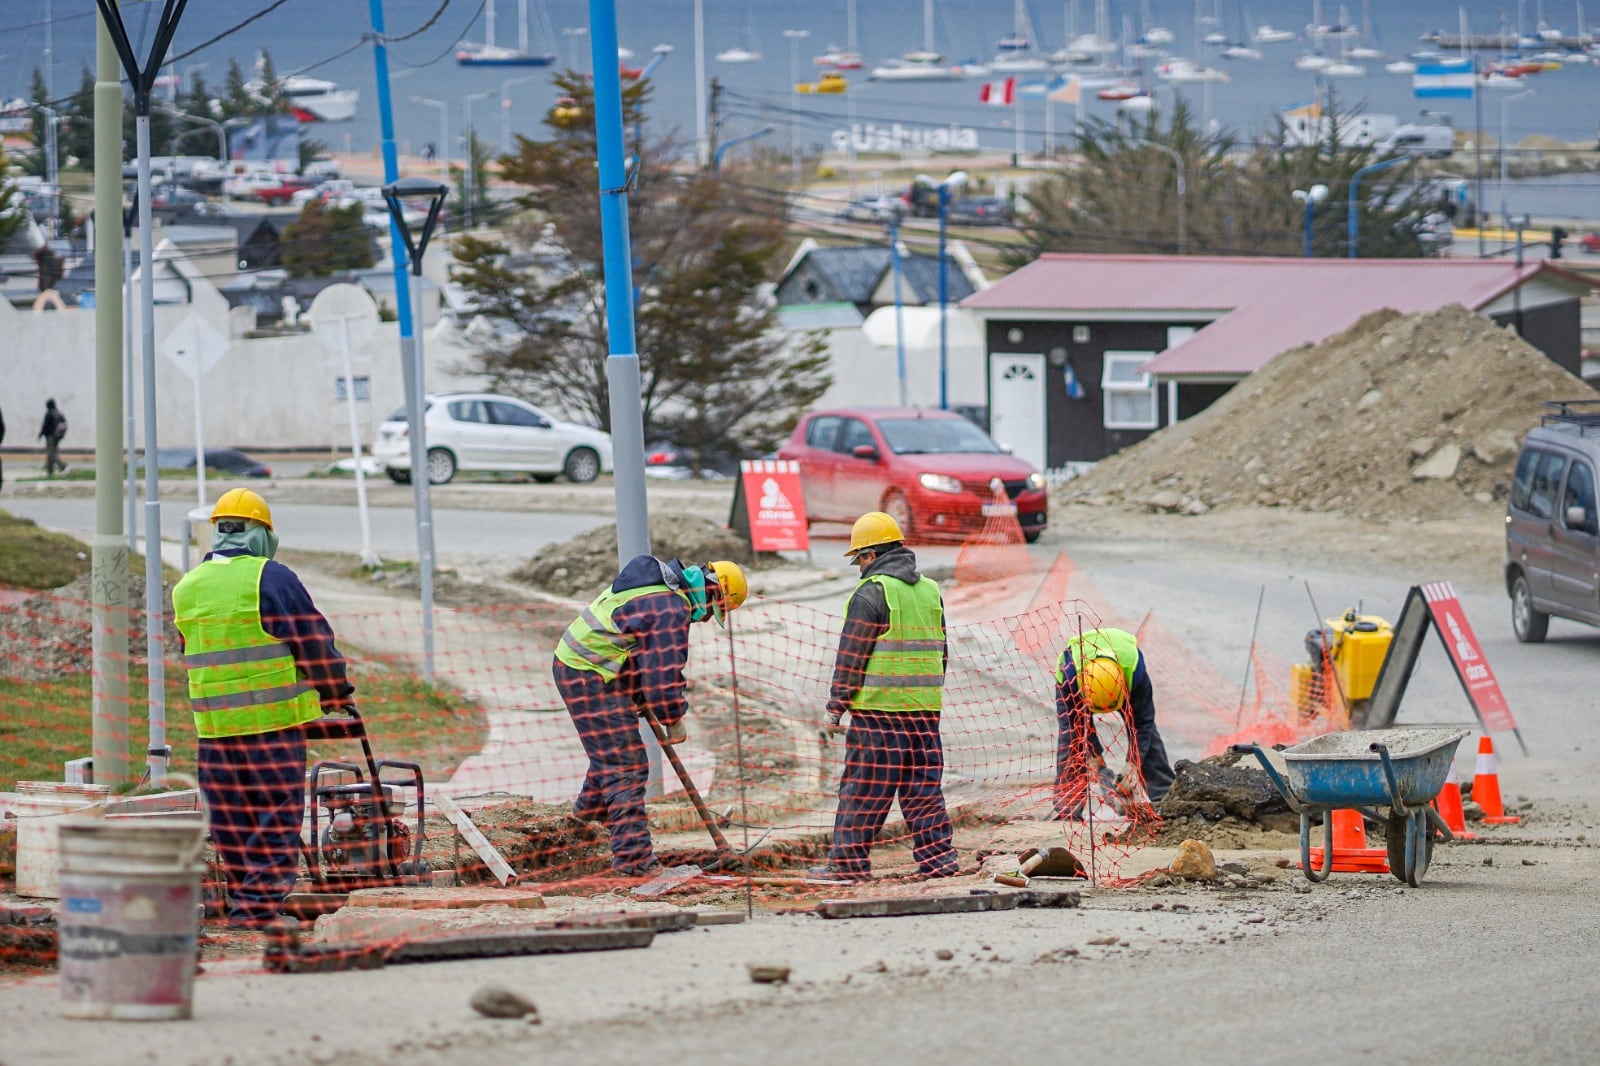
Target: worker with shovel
262 663
623 656
1102 671
889 677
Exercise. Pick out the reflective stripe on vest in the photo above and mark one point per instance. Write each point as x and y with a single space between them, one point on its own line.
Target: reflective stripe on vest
594 642
1099 644
906 669
242 679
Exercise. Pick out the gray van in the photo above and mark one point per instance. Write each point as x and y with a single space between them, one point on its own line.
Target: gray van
1552 535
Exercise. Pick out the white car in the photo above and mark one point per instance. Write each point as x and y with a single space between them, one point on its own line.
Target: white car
246 186
482 432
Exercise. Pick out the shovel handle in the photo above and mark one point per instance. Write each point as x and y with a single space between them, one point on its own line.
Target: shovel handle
723 848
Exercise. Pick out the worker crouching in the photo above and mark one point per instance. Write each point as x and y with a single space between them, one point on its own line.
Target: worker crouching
624 653
1102 671
889 677
261 662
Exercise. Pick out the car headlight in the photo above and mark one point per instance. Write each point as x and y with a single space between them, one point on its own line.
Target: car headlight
1036 481
940 483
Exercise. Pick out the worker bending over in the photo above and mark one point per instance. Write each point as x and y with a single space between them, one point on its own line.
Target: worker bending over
1102 672
889 677
262 663
625 652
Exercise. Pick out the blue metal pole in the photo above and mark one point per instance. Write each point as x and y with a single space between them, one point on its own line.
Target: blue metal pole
1310 205
412 369
1355 201
899 306
944 296
622 365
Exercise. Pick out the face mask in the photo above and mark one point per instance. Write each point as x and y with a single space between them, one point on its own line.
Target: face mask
694 586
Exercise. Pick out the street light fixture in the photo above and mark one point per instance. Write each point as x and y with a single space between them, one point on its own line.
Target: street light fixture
795 37
955 181
505 108
444 133
468 166
1504 100
1353 222
1311 198
396 194
573 33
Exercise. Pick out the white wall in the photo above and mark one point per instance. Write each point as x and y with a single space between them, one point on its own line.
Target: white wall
865 374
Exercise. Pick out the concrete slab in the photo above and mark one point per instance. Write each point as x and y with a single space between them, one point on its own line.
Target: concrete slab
446 898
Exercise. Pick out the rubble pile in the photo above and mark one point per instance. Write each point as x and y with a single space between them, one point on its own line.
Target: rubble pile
1400 416
1225 803
587 563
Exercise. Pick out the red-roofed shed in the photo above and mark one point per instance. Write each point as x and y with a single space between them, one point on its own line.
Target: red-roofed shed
1090 353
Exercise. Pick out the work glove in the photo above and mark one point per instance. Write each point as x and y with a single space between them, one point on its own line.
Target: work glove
676 733
832 724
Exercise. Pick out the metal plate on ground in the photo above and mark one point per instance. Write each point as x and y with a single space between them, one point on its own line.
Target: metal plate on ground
907 905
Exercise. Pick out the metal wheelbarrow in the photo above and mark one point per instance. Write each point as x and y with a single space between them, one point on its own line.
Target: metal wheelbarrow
1401 769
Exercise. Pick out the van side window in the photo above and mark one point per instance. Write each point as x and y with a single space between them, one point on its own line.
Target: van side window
1580 493
1522 479
1546 483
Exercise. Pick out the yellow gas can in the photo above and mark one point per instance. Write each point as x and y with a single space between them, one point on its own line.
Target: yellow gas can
1358 644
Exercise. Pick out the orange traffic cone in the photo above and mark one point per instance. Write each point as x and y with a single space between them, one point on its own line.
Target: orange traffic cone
1448 804
1350 852
1486 786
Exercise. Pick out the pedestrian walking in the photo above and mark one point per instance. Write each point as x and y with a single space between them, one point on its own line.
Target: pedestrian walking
51 272
51 431
1103 671
2 441
889 677
627 651
262 662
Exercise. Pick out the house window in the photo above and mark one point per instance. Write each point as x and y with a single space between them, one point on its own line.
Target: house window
1129 394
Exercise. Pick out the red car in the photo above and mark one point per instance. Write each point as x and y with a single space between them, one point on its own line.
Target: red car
932 470
1590 242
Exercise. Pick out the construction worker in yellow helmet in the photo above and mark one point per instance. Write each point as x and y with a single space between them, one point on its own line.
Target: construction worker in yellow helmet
625 652
1102 671
889 677
261 662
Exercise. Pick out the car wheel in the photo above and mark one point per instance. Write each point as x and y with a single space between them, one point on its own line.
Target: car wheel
582 465
897 507
1031 535
441 466
399 477
1530 625
543 479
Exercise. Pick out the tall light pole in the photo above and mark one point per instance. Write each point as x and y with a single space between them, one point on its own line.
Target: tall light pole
1183 190
954 181
702 136
899 306
1504 100
795 37
572 33
1352 224
1311 198
444 133
468 177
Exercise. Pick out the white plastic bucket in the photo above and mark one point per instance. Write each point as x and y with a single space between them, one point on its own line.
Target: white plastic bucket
130 917
40 807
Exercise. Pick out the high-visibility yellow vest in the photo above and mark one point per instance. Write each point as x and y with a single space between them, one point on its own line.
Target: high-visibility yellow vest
906 669
242 679
594 642
1096 644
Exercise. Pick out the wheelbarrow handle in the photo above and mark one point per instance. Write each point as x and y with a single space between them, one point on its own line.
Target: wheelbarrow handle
1272 772
1396 802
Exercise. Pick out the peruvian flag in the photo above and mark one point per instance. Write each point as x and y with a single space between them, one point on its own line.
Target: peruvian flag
999 93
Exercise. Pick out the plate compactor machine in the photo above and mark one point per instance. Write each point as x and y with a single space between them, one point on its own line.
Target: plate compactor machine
358 835
1346 656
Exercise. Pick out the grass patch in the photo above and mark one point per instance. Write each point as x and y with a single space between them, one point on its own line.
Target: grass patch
34 558
43 724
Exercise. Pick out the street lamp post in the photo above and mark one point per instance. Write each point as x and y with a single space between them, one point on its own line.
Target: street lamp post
1311 198
468 166
795 37
414 371
1504 100
572 33
1352 224
1183 190
954 181
899 306
444 133
505 108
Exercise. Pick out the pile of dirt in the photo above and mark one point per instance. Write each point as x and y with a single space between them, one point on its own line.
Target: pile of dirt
1227 804
587 563
1416 416
542 842
51 635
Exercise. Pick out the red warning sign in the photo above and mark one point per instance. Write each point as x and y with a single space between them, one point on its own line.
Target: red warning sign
1467 656
775 505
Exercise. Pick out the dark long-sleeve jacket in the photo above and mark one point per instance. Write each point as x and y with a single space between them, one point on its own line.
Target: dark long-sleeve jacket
865 620
658 622
1141 694
288 613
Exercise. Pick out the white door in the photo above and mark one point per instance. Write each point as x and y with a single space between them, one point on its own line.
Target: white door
1016 405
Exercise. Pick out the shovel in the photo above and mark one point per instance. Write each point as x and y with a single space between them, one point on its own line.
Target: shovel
726 859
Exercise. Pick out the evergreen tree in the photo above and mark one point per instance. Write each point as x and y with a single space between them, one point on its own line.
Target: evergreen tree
478 158
326 240
75 132
272 101
716 374
237 102
39 93
12 214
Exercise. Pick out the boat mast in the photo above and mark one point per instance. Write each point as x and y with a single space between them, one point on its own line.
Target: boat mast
488 25
522 26
850 28
927 25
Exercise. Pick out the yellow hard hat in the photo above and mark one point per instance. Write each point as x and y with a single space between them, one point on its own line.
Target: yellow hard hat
1104 684
730 578
242 503
871 530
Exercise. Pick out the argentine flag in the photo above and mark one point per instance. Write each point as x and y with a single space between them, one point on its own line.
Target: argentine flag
1453 78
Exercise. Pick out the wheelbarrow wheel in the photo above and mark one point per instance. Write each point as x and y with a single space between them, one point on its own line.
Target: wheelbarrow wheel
1394 838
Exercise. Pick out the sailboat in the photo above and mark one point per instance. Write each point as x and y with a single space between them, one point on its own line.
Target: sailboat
490 54
1366 49
928 64
1015 54
744 51
1157 34
849 57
